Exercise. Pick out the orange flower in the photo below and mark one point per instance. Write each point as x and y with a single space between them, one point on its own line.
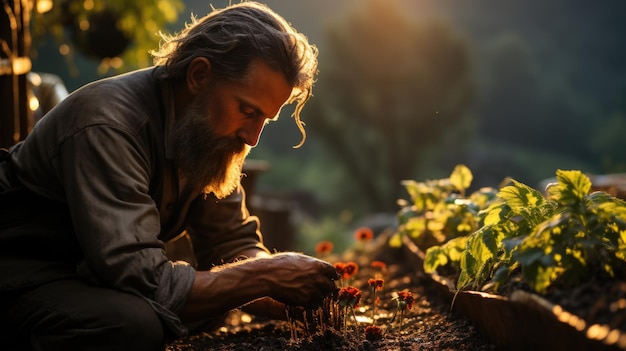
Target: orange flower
346 269
378 265
349 297
363 234
376 284
324 247
405 300
349 270
340 267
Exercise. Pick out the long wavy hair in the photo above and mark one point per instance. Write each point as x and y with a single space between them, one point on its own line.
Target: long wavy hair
230 38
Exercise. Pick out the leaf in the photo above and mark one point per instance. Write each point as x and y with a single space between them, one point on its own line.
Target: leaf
540 278
511 243
395 240
482 245
438 256
415 226
405 214
468 270
572 187
520 197
435 257
529 256
461 177
494 216
501 275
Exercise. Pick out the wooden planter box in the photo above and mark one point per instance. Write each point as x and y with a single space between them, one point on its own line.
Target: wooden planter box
524 321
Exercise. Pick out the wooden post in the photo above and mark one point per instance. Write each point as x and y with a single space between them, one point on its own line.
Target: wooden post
15 64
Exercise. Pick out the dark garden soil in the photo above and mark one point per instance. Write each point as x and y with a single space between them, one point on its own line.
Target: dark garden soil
429 325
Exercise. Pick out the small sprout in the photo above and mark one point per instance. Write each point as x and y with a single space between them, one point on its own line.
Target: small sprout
373 333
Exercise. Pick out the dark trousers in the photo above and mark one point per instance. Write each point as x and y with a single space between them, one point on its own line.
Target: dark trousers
44 305
69 314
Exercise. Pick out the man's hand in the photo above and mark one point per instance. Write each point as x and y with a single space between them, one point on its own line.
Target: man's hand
291 278
299 280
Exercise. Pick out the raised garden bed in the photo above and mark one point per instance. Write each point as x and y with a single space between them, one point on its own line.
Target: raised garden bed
531 270
527 321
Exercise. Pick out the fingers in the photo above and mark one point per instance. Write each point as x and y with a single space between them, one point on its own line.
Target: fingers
311 281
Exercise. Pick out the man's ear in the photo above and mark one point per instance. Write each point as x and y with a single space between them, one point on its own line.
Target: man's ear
198 74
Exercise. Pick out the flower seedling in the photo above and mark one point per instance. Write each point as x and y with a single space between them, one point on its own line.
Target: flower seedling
324 248
346 270
349 297
404 300
376 285
362 236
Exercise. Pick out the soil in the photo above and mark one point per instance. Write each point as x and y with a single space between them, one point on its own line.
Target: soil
428 325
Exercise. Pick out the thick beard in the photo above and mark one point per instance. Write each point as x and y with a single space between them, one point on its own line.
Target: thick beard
210 163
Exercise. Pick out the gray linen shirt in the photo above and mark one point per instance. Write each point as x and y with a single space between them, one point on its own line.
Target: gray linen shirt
105 152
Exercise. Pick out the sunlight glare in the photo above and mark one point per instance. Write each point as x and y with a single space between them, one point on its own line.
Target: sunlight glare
44 6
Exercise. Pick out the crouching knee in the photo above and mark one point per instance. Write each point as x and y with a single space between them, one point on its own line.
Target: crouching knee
128 323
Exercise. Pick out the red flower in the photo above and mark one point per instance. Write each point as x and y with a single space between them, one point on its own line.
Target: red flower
373 333
349 297
377 284
378 265
363 234
346 270
340 267
324 247
350 269
405 300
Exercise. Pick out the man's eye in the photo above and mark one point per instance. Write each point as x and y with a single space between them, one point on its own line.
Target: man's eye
248 112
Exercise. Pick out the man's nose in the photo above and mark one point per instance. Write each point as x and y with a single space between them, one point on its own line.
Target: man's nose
251 132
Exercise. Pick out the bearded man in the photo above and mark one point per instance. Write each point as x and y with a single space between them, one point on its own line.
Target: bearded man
124 164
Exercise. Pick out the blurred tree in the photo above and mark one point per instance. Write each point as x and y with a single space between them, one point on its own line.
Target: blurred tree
389 86
117 33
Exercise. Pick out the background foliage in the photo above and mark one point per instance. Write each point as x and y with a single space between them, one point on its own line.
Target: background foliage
410 88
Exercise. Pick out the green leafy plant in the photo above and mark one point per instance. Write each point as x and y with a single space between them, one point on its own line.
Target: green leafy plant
439 209
559 239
